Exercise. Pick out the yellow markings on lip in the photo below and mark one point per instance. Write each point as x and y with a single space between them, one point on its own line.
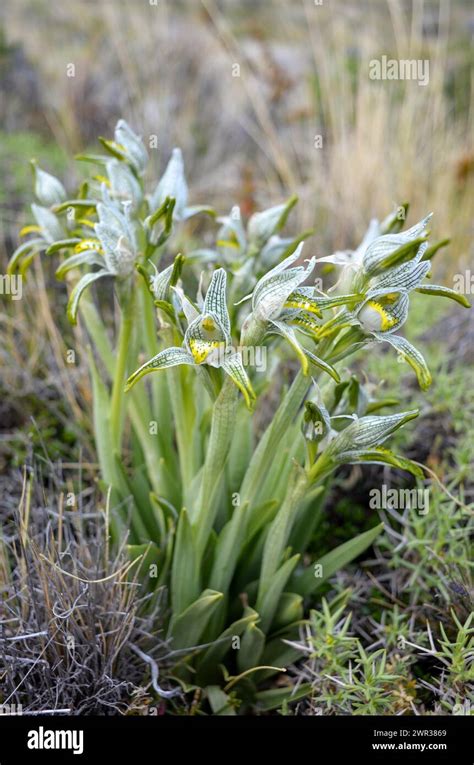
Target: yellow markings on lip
303 304
306 323
86 222
102 179
392 297
232 241
387 320
32 229
200 349
208 324
88 244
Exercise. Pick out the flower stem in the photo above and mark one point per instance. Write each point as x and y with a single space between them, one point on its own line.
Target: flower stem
222 430
116 404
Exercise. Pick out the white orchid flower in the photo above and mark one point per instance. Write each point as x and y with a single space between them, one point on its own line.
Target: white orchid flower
207 340
48 189
131 146
173 185
279 302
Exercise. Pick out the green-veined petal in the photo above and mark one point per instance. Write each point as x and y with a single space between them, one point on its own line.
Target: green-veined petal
323 365
279 328
172 184
367 432
233 366
89 257
133 145
440 291
412 355
380 456
382 252
33 245
215 300
170 357
77 291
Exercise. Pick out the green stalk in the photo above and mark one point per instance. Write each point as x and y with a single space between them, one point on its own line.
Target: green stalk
160 399
222 428
120 372
263 456
137 406
280 529
182 429
159 388
98 333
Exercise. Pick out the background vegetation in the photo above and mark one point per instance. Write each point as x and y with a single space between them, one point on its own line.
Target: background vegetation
250 139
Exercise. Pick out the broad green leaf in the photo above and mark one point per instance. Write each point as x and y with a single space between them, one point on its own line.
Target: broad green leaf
187 628
251 647
240 452
214 655
222 427
268 598
309 580
275 697
184 573
264 453
289 610
280 528
151 556
228 548
220 702
260 517
278 653
142 520
104 446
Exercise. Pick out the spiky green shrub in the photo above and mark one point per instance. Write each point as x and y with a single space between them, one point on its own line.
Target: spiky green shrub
218 511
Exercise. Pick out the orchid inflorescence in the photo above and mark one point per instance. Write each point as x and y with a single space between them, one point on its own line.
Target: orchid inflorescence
194 313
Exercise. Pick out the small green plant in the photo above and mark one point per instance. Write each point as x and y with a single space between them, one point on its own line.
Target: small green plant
346 677
218 513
